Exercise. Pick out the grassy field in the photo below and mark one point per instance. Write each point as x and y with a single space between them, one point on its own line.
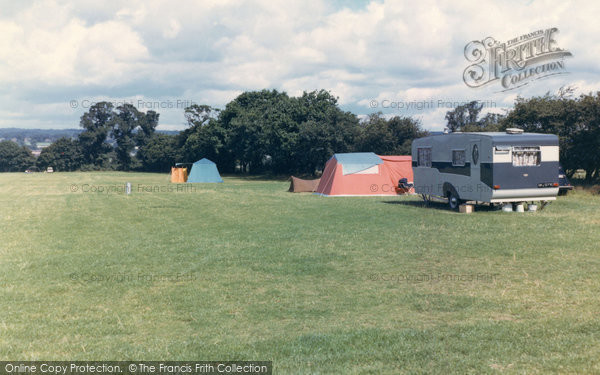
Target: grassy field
246 271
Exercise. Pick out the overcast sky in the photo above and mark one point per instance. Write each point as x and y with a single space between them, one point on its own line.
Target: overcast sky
57 58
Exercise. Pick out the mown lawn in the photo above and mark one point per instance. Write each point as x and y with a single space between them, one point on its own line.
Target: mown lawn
246 271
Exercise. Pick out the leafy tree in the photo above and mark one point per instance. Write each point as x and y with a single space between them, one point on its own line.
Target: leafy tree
491 122
581 150
463 115
389 137
206 142
204 138
63 155
324 129
555 115
15 158
465 118
126 120
200 115
159 153
127 128
97 123
146 128
404 130
376 135
270 132
259 126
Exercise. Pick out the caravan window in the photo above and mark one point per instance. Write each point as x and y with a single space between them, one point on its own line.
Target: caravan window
458 158
502 150
424 157
526 156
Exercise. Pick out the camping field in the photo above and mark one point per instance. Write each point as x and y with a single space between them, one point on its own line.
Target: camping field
247 271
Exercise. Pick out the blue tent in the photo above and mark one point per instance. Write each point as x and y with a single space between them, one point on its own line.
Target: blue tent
204 170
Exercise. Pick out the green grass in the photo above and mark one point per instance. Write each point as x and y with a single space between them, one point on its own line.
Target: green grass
246 271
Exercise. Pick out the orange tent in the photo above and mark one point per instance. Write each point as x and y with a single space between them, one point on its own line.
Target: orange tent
178 175
364 174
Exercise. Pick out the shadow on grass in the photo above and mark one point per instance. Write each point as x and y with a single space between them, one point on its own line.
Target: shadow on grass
262 177
588 186
420 204
438 205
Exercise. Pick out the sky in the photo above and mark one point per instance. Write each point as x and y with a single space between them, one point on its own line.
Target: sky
404 58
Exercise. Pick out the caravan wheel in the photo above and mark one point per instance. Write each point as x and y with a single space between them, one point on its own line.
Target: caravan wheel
453 201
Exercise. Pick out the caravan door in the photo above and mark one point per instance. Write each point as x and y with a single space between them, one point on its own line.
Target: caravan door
475 156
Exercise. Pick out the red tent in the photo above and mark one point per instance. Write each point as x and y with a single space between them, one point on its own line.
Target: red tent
364 173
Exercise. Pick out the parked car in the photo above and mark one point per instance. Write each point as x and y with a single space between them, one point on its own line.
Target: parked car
564 185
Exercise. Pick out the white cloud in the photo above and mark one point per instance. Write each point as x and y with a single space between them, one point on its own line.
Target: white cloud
211 51
172 30
68 54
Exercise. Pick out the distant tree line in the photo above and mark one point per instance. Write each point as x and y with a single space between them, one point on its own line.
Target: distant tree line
576 122
32 137
15 158
259 132
270 132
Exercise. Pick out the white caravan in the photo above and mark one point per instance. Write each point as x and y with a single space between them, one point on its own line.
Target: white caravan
487 167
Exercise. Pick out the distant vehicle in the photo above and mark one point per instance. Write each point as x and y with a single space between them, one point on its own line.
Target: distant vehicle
564 185
486 167
49 170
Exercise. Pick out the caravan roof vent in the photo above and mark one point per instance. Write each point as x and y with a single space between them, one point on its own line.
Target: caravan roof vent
514 131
